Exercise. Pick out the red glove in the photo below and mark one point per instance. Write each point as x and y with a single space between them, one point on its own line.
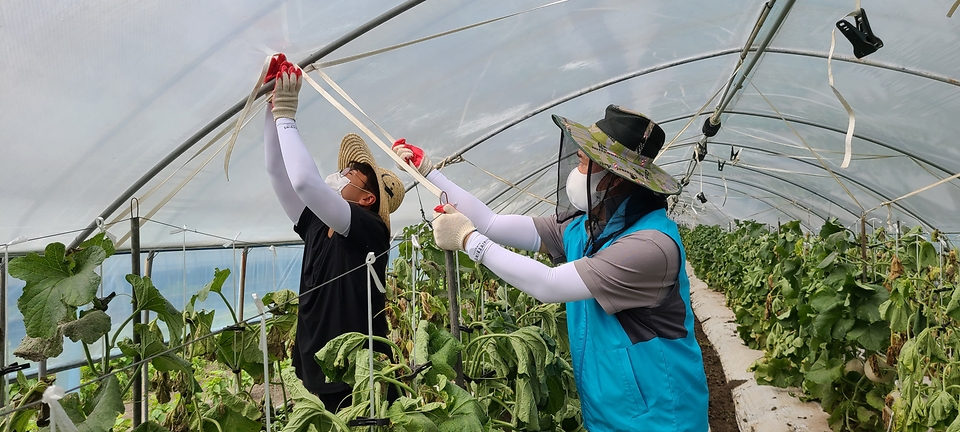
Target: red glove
285 91
275 62
413 155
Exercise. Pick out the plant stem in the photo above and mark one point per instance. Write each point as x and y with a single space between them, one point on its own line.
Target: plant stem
116 335
134 377
86 352
229 308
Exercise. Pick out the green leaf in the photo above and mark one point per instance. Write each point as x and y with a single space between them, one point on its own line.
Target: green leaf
876 398
241 350
282 301
953 308
955 426
941 405
107 406
825 370
335 357
308 411
151 344
102 241
89 328
150 426
824 322
873 337
404 415
56 285
868 308
463 412
896 312
149 298
865 415
215 285
201 324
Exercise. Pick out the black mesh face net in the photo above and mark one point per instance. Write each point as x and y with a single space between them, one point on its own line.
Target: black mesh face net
567 161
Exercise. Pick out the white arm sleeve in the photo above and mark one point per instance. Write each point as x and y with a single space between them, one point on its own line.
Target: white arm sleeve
289 200
305 179
512 230
547 284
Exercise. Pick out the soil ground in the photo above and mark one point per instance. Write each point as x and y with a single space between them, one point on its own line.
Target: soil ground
723 416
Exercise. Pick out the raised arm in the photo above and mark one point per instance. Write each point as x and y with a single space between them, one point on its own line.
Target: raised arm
454 231
512 230
301 172
289 200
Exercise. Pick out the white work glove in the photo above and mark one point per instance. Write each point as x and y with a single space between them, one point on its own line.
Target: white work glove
451 228
286 90
413 155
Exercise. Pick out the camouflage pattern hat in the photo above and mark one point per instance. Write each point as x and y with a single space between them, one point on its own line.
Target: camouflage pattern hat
625 143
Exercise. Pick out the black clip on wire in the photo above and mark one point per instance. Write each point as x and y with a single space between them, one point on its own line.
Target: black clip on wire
862 37
236 327
416 371
13 368
702 198
364 421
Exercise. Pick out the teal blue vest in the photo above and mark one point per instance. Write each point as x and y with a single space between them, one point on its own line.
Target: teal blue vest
654 385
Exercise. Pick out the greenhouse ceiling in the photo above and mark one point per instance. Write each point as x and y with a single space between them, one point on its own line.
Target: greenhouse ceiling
112 101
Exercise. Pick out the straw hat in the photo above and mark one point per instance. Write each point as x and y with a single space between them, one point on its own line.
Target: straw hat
353 149
625 143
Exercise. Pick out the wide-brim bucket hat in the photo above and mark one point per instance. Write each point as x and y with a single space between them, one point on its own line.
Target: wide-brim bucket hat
625 143
354 149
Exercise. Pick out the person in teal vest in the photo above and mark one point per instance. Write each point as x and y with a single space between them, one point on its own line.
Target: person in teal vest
620 271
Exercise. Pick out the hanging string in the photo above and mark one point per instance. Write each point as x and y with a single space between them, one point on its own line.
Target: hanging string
186 180
413 172
923 189
819 159
851 118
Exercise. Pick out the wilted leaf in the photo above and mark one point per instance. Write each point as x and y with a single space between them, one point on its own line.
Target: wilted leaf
89 328
36 349
233 415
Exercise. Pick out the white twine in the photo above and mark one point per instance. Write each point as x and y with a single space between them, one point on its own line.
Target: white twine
59 420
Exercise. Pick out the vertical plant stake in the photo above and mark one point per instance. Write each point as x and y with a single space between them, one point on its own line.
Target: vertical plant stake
267 407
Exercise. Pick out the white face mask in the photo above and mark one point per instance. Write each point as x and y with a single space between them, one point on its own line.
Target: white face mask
577 189
337 181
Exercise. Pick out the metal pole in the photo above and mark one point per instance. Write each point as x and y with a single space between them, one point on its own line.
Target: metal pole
210 127
145 372
751 62
135 269
454 309
243 280
863 246
3 324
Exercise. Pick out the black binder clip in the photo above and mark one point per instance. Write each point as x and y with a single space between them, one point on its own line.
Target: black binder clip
366 421
862 37
700 152
702 198
720 164
734 155
13 368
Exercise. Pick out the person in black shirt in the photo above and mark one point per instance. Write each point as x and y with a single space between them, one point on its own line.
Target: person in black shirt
340 219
